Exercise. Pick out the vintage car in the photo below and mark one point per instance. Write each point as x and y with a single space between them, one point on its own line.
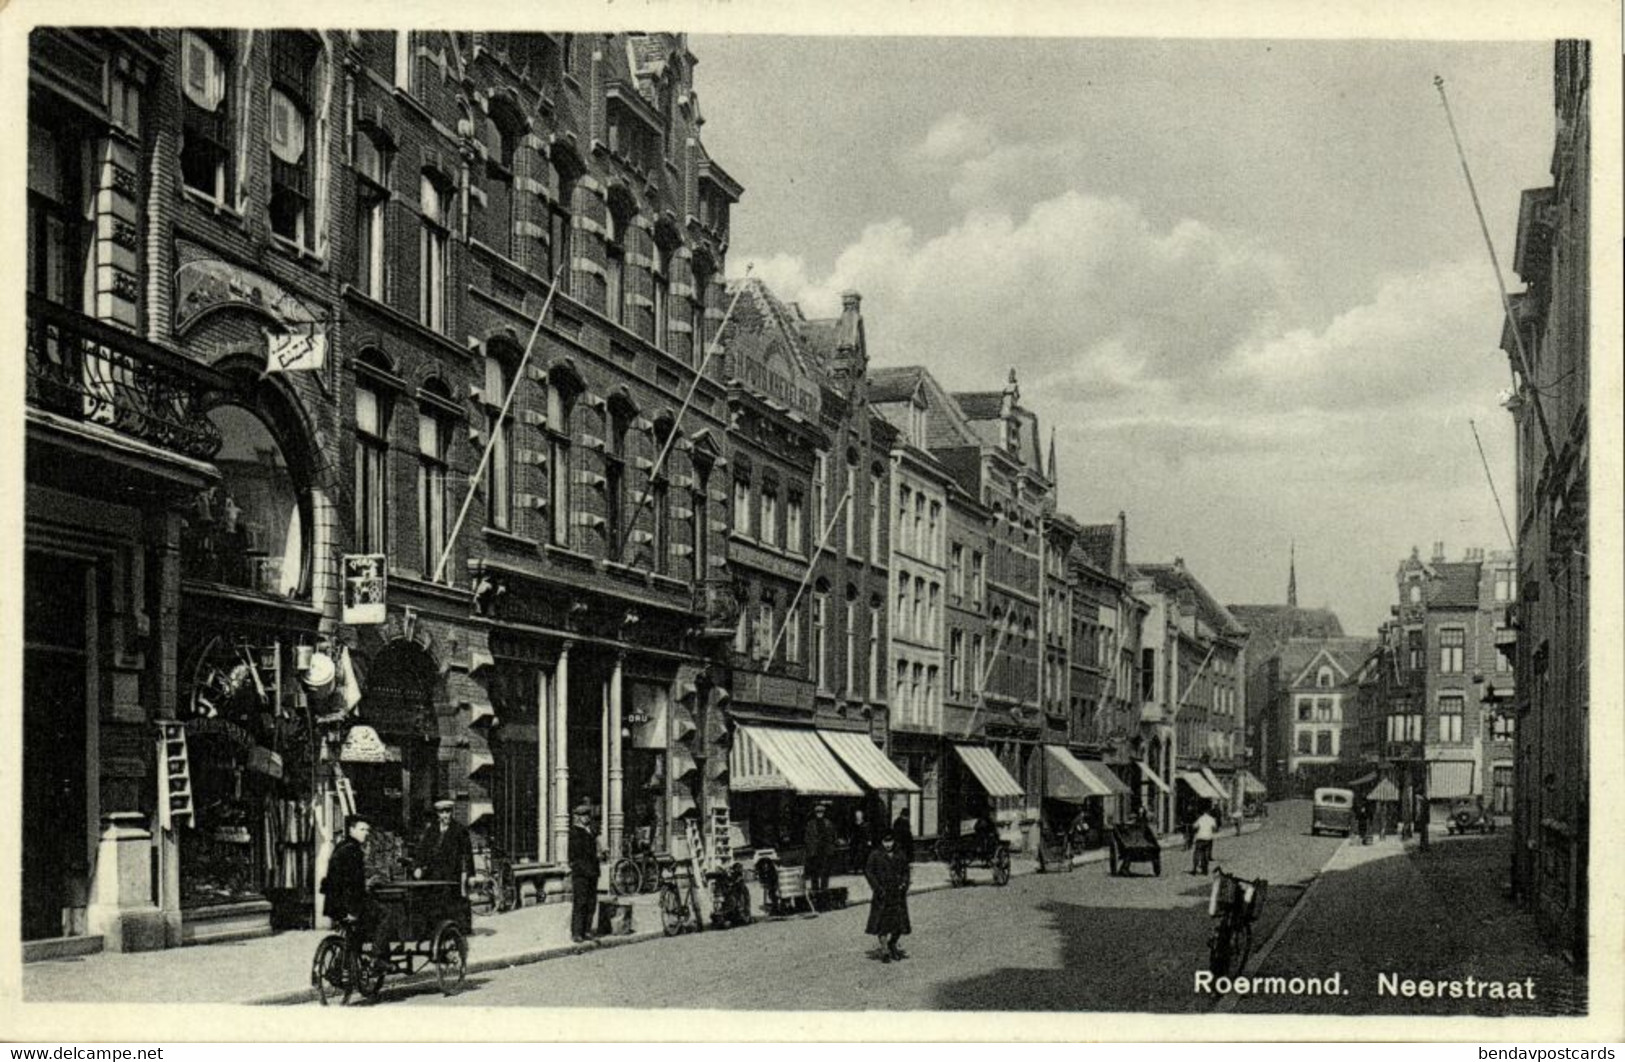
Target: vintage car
1469 815
1333 812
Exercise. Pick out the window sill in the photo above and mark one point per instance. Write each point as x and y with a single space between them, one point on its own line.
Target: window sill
210 203
565 553
297 251
508 538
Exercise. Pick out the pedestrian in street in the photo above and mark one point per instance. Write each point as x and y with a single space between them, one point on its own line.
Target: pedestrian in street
349 903
987 835
859 845
1203 830
584 864
819 837
444 852
905 836
887 874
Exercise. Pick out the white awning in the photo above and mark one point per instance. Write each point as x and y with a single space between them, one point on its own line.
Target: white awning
989 771
864 759
1153 777
1251 784
1199 785
1068 779
774 757
1105 776
1218 786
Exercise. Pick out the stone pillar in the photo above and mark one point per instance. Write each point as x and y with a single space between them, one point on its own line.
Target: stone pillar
561 760
617 817
115 286
121 907
544 802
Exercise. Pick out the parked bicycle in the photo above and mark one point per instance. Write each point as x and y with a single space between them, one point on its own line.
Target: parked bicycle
1234 904
637 871
679 900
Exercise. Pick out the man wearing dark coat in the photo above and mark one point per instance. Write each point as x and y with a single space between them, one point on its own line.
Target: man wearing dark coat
345 887
887 874
584 865
444 852
820 841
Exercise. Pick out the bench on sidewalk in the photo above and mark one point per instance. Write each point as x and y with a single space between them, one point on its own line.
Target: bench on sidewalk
536 875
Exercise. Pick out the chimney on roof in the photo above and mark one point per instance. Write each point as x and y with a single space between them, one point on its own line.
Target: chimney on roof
1438 552
1121 559
1179 565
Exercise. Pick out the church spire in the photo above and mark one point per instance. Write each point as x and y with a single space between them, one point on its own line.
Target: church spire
1292 577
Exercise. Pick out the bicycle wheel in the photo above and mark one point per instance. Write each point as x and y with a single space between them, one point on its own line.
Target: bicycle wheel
450 954
369 972
671 911
625 879
330 974
1001 867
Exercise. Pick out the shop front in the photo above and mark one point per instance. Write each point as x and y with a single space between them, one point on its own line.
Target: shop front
778 774
1082 797
919 756
979 784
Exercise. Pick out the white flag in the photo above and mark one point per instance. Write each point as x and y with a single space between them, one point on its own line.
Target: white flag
351 688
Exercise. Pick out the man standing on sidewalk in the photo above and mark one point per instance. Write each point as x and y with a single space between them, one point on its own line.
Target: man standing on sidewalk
583 874
820 841
1206 826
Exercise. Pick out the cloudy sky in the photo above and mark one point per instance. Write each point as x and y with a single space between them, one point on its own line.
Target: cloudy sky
1242 280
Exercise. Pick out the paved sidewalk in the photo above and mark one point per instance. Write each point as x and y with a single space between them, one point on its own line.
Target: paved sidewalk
1389 908
276 969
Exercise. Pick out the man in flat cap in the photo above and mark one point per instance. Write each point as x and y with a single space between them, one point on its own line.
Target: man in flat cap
584 864
443 852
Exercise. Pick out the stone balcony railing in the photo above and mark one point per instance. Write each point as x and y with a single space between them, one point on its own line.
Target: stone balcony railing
87 371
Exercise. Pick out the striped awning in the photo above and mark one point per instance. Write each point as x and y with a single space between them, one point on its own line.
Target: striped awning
1067 779
989 771
1153 777
1251 784
1450 779
1199 785
774 757
1384 790
1106 777
864 759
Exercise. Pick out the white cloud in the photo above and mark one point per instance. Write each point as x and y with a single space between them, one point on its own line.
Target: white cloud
955 136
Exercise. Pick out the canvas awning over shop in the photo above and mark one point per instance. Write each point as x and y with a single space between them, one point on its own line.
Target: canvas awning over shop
1067 779
1106 777
864 759
1450 779
989 771
1384 790
775 757
1251 784
1153 777
1364 779
1199 785
1213 780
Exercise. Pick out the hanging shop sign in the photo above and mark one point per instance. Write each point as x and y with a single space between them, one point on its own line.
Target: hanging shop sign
365 584
300 349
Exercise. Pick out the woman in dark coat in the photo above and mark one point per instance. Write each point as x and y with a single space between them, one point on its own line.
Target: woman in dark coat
887 873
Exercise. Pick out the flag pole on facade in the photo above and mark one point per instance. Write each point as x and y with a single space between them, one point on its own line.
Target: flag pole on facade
671 438
490 444
1495 265
987 673
829 528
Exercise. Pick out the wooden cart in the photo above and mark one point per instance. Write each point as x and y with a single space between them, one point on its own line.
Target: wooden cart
429 921
1133 842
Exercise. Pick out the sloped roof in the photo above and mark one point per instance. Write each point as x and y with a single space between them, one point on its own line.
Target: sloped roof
1173 579
758 318
894 384
1272 625
1098 543
980 405
1346 653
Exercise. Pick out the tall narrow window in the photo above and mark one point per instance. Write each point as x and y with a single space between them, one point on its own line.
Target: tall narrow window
502 168
499 430
560 225
58 251
877 506
904 539
820 493
404 55
770 514
661 295
434 497
372 159
820 633
700 523
293 70
620 419
205 117
956 661
794 532
873 659
371 468
660 502
1450 719
850 500
851 618
902 604
432 255
792 636
696 316
976 577
561 396
742 500
1452 649
614 269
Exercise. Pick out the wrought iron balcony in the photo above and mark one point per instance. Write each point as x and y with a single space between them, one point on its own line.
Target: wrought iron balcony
84 370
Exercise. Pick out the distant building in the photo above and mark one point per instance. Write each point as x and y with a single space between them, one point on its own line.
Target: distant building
1316 710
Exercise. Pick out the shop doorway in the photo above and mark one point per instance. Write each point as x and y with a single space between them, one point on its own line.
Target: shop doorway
399 703
58 659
